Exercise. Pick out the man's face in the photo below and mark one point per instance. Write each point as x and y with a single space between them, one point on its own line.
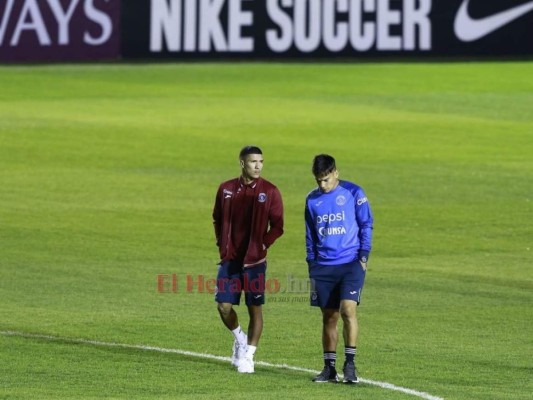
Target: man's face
328 182
251 166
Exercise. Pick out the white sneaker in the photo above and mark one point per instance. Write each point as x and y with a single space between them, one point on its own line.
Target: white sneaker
246 366
239 351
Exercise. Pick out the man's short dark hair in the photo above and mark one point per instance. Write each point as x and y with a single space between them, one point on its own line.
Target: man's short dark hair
249 150
323 164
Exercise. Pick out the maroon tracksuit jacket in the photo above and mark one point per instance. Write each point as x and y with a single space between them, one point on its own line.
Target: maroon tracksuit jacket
266 223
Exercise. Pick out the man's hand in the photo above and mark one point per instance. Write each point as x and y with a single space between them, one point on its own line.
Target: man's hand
364 261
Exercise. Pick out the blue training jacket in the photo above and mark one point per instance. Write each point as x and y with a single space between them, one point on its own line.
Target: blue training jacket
338 225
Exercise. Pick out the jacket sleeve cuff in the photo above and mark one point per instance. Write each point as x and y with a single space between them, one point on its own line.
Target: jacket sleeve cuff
363 255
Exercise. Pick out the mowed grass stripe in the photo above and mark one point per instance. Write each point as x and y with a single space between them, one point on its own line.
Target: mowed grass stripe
383 385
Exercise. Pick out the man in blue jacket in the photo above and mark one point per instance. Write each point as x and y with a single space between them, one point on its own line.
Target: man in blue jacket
339 226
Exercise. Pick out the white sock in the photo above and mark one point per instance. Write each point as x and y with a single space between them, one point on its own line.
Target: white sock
250 351
239 335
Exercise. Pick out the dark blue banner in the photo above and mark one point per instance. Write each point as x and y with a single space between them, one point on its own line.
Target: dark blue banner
326 29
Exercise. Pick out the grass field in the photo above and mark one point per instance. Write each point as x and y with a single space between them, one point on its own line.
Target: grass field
107 180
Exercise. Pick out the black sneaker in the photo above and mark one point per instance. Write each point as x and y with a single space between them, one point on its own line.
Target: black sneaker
350 373
328 374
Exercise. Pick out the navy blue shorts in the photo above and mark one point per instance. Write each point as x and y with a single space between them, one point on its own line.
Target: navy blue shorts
233 279
332 283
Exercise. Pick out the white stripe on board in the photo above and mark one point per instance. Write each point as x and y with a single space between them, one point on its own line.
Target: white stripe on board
383 385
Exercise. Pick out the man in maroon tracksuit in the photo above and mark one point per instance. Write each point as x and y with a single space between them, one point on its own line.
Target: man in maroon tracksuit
248 218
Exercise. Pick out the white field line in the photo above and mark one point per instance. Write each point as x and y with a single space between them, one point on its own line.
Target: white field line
383 385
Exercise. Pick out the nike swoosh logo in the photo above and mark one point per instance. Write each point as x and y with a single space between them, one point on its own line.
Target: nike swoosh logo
468 29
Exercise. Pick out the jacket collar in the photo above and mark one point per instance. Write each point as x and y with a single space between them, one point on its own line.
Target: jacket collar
253 184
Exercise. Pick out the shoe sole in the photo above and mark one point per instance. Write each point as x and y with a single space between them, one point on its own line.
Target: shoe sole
350 381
